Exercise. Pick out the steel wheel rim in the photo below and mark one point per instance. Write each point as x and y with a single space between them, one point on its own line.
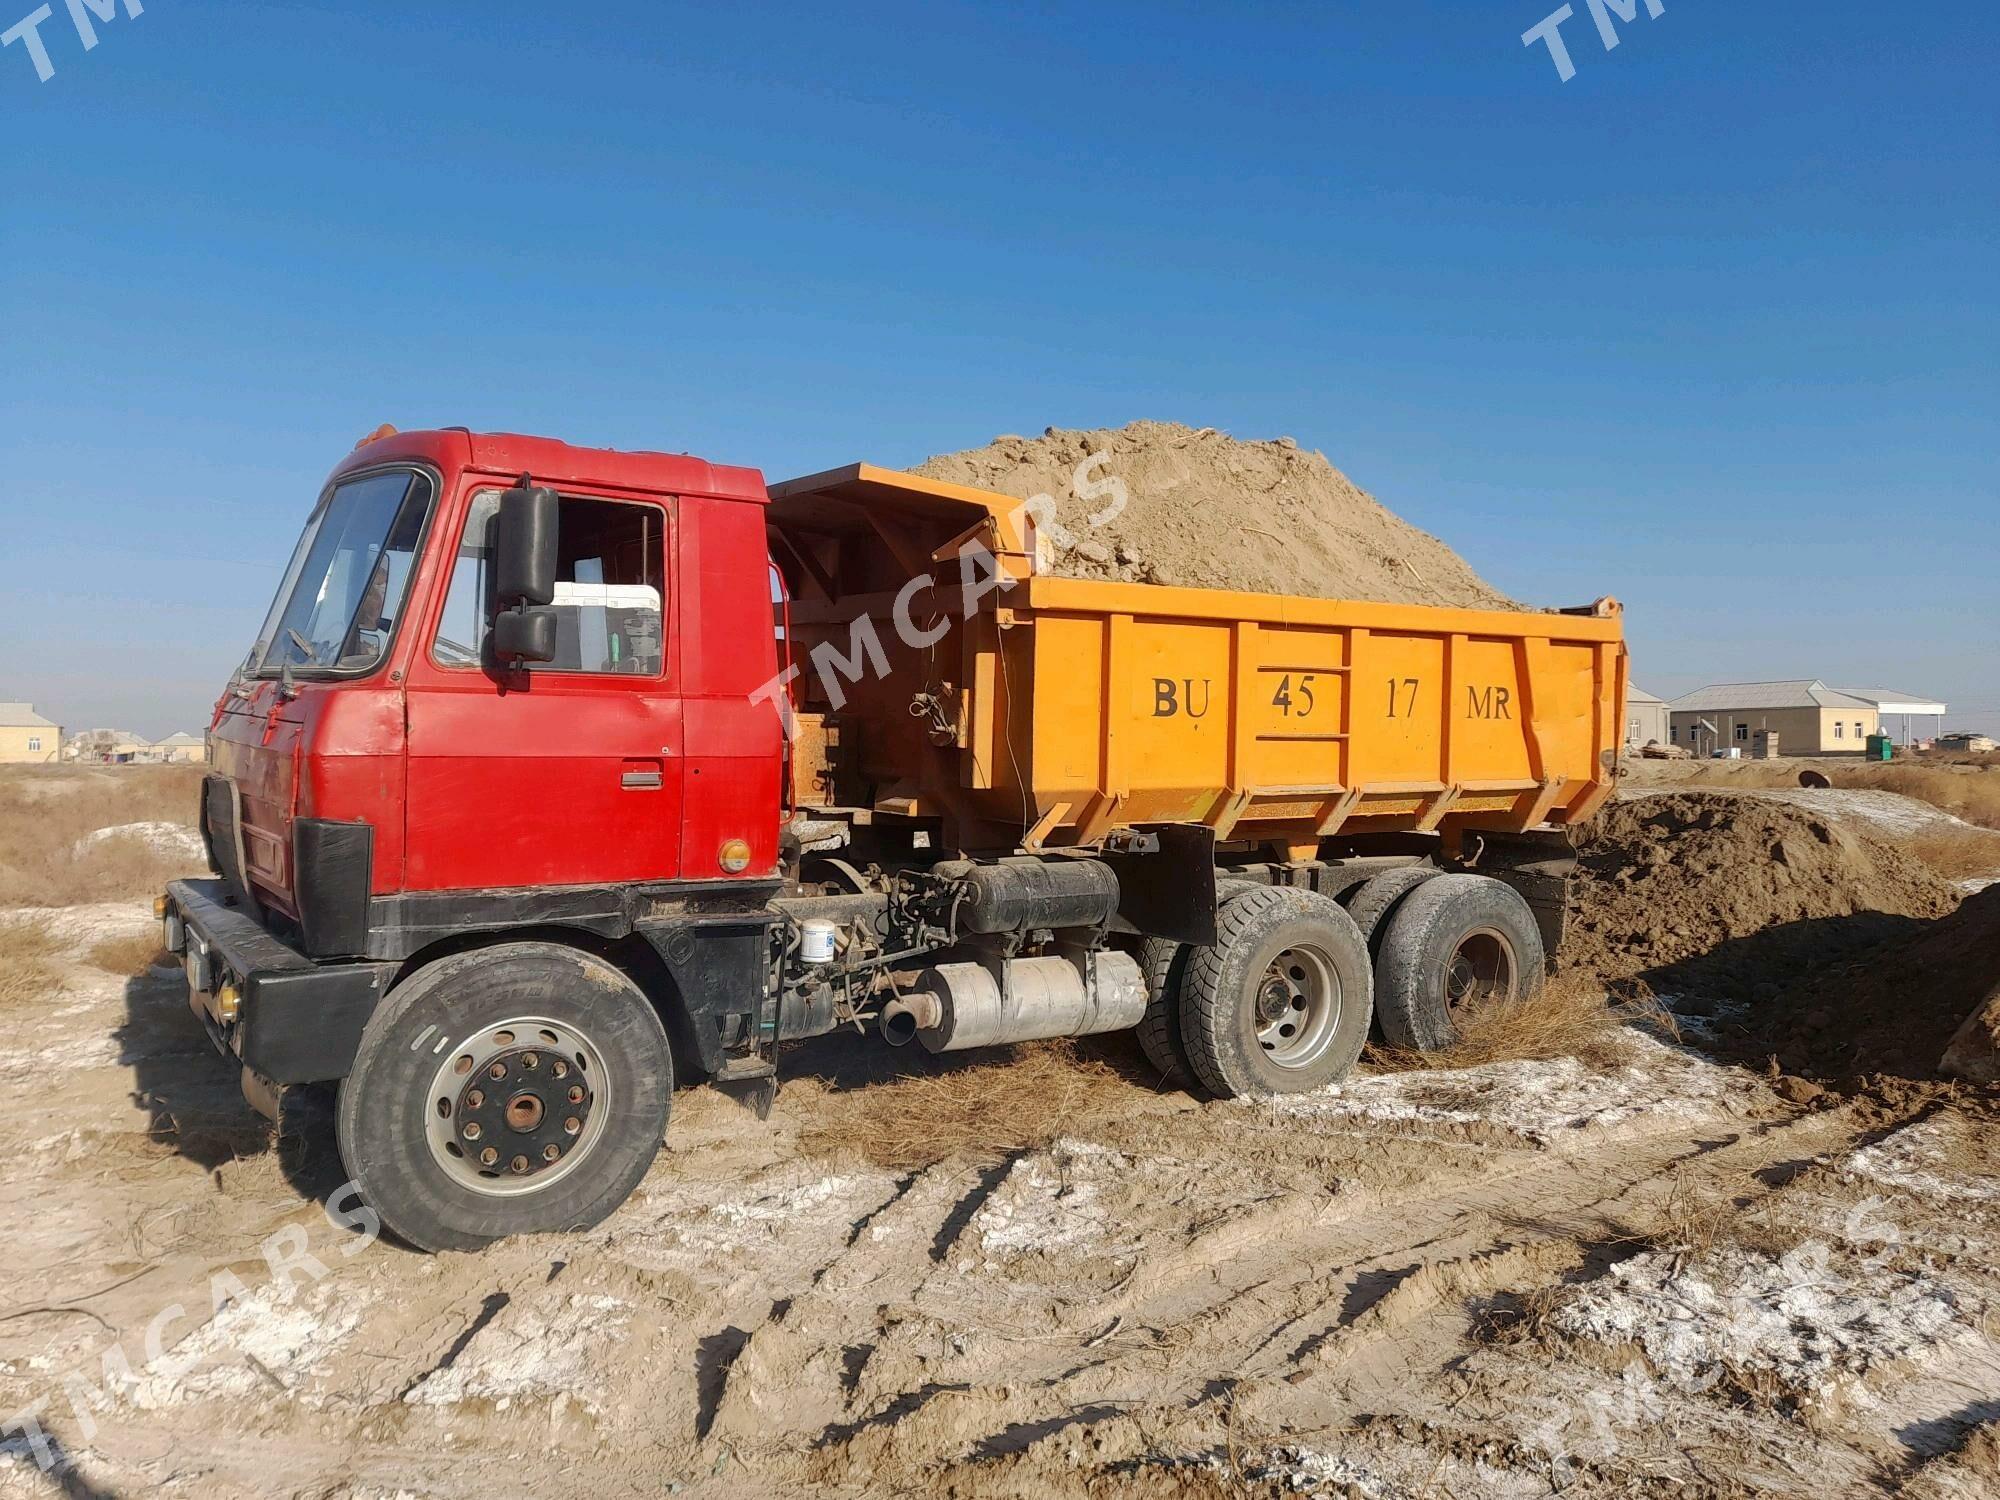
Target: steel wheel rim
1296 1007
517 1106
1482 970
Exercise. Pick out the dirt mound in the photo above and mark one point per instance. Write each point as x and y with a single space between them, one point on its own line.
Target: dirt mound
1731 898
1897 1007
1206 511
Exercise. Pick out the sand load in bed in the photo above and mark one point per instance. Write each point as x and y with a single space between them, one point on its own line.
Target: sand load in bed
1203 510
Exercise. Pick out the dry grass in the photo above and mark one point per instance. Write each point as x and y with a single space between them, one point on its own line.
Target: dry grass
1568 1017
1971 793
29 966
46 812
980 1111
1957 853
129 957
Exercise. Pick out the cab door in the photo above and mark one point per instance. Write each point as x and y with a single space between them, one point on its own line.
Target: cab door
568 773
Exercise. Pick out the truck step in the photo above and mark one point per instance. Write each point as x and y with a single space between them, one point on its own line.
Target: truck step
742 1069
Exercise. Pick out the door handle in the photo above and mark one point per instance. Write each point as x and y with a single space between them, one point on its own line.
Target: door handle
642 781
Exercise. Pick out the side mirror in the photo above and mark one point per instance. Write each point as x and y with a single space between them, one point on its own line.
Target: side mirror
525 633
525 547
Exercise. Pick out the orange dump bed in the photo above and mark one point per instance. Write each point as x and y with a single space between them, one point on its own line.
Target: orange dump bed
1059 710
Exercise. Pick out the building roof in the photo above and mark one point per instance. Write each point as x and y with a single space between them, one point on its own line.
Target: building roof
183 738
1890 702
22 716
1636 694
1741 697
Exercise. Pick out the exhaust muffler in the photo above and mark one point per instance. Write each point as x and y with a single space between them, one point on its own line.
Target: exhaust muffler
957 1006
907 1016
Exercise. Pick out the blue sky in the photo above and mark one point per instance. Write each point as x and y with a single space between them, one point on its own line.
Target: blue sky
1711 326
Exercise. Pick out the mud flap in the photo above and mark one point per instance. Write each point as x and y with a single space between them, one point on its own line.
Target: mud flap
1169 892
1538 864
758 1095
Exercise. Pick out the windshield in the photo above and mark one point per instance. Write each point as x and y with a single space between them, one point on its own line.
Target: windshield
344 588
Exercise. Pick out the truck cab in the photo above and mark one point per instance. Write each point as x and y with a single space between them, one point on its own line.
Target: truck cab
372 730
385 787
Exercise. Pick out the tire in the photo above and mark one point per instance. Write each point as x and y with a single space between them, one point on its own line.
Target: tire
1455 944
1164 963
559 1023
1381 894
1236 999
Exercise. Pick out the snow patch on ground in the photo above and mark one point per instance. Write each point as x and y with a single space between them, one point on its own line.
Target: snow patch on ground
1543 1103
277 1334
70 1054
552 1350
1703 1018
85 926
173 840
1812 1325
1055 1201
1304 1470
730 1223
693 1227
1919 1159
1888 812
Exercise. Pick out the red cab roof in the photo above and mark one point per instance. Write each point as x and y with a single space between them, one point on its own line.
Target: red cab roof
510 455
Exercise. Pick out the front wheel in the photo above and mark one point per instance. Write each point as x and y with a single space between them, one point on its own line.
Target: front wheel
1282 1003
520 1089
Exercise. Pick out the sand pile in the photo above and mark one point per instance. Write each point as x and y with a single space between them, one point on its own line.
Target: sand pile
1731 898
1898 1007
1206 511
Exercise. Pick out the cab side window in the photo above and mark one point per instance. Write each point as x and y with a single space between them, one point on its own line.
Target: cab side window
610 592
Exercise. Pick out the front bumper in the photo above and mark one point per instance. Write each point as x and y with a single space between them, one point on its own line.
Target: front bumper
285 1017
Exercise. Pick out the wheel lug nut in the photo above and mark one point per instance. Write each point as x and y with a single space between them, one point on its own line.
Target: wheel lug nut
550 1153
498 1070
572 1125
520 1164
476 1098
488 1156
576 1095
560 1068
530 1060
472 1130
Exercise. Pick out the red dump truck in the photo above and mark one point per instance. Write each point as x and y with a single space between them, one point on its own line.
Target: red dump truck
557 776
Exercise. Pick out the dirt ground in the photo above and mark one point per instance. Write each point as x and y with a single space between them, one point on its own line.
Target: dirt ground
1661 1271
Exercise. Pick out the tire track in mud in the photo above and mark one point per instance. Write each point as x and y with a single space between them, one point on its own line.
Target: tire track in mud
1316 1306
799 1371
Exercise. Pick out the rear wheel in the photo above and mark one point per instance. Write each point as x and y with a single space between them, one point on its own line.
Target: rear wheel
520 1089
1164 963
1455 946
1280 1004
1381 894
